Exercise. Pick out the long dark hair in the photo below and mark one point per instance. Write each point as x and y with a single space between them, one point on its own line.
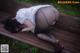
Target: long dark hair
12 25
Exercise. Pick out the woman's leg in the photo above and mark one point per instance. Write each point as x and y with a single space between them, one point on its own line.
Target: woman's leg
44 35
58 47
45 17
47 38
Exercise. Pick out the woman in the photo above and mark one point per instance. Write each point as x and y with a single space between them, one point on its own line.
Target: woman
37 19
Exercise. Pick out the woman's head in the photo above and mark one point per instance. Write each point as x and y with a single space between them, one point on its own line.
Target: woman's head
12 25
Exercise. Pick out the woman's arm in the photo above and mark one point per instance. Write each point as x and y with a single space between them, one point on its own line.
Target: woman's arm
29 26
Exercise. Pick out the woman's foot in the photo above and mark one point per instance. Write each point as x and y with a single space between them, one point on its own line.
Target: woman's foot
58 48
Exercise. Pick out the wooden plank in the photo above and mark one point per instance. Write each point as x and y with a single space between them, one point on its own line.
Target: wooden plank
28 39
68 23
11 6
69 40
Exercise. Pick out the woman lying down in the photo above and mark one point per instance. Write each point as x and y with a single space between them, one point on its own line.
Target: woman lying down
36 19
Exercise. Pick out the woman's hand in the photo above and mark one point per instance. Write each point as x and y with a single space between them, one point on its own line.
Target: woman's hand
29 26
26 29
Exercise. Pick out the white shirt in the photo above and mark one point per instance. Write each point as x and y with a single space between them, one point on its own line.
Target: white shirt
28 14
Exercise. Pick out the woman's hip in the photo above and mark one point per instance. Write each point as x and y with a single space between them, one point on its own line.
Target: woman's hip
46 16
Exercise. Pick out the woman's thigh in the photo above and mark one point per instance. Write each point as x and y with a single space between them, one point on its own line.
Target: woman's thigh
46 16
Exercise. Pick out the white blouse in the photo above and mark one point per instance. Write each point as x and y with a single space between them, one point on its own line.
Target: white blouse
28 14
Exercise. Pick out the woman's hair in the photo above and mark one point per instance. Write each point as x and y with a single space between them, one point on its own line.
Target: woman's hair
12 25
